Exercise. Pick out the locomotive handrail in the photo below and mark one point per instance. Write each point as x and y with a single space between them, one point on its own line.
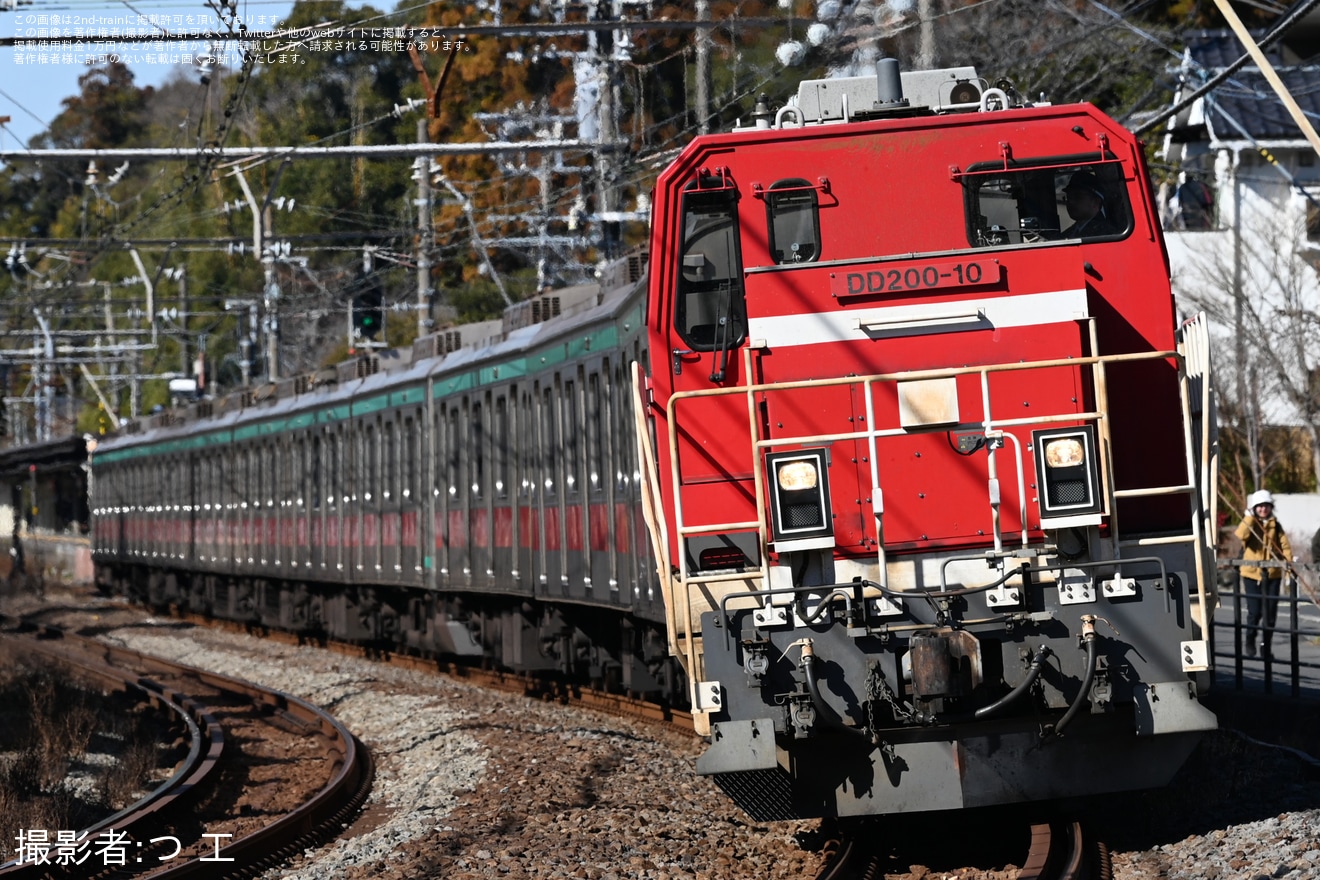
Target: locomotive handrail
910 375
684 580
1154 490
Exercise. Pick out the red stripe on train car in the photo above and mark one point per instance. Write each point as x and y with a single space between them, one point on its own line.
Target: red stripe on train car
389 530
480 524
552 541
641 540
598 520
409 524
457 529
573 519
529 527
370 529
621 530
503 527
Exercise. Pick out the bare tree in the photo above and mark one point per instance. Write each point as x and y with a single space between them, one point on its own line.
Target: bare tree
1264 298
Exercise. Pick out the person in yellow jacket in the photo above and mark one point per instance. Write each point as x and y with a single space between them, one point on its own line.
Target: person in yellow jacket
1264 540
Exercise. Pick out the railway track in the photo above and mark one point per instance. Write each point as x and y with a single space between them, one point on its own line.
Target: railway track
540 687
265 776
1059 850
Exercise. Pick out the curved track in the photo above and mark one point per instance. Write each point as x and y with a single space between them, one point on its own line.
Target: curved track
527 684
207 776
1060 850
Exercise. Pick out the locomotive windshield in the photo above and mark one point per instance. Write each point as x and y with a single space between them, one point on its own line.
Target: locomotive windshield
1048 199
710 310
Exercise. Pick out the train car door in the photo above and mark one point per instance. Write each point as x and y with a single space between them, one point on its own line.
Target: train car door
478 499
576 577
456 565
410 500
528 559
337 487
391 492
501 488
552 577
598 487
317 501
367 495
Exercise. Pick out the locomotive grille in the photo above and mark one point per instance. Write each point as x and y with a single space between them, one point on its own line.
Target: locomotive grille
802 516
765 795
1068 492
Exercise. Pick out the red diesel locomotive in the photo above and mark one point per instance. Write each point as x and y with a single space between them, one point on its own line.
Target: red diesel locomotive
933 457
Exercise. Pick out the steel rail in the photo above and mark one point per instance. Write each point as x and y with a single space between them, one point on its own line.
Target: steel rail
528 685
318 819
206 746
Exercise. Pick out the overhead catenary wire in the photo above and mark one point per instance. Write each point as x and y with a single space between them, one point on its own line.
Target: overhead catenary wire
1275 33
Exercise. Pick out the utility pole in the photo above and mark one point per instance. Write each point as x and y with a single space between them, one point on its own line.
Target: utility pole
605 44
926 55
42 377
702 36
425 234
261 234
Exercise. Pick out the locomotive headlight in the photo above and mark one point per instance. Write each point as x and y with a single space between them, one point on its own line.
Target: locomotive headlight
800 512
1064 452
1068 477
797 476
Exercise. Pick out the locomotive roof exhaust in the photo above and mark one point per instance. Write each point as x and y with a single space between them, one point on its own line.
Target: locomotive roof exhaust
889 85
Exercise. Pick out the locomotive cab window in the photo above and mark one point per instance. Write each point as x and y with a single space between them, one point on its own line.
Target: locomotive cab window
1042 200
711 313
793 218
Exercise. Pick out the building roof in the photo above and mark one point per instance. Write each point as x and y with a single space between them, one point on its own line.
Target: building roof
1247 97
1250 100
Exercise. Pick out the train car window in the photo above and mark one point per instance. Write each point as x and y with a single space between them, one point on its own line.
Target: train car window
297 473
410 459
316 473
623 449
595 432
477 451
1046 199
369 455
391 455
216 487
572 429
711 312
527 444
453 444
549 442
437 450
333 492
500 446
793 218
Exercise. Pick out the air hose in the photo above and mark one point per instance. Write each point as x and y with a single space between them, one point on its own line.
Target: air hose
1037 664
1088 638
823 712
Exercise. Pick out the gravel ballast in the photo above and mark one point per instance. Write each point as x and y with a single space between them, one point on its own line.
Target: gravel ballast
476 784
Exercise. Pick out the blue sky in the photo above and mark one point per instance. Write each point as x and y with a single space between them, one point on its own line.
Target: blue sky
33 81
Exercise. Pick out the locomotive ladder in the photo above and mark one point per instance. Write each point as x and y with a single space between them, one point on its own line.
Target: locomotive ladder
1192 359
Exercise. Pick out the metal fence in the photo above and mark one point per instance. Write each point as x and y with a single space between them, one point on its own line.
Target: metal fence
1289 662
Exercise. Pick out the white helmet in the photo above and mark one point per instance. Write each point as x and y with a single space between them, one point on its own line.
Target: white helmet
1261 496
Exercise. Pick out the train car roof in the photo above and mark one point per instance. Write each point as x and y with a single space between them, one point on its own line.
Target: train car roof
611 304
